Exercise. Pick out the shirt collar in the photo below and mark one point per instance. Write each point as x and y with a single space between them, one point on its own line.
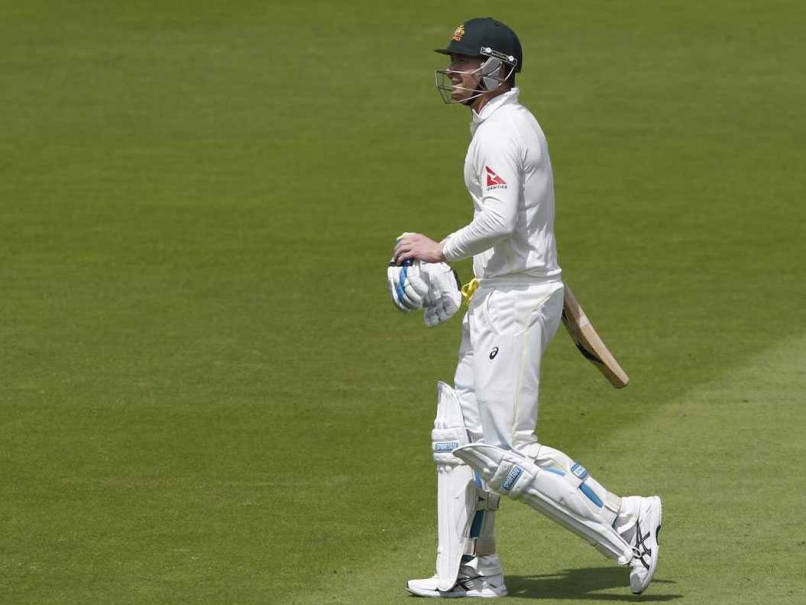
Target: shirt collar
507 98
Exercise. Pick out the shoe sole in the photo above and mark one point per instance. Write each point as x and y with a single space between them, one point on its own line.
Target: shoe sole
447 595
436 594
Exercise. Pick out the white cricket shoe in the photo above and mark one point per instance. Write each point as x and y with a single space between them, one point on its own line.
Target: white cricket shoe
645 544
466 586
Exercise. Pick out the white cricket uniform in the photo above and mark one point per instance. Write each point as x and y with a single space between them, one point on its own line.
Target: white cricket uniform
516 311
511 320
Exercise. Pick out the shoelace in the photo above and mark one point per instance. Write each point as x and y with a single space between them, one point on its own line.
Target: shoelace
469 583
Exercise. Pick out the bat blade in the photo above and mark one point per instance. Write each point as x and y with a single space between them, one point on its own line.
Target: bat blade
589 343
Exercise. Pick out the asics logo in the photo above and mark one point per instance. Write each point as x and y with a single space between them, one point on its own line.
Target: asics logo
640 550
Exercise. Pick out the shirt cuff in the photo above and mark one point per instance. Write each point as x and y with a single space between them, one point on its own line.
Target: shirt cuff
448 250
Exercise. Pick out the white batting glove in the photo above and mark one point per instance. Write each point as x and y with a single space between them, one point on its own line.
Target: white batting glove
443 298
406 285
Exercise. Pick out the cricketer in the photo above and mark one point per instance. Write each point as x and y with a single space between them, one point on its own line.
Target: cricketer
484 442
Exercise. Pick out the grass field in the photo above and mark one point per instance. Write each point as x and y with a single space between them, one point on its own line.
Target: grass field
205 395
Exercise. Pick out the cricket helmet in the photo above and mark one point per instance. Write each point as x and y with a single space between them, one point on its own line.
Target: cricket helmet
489 39
485 34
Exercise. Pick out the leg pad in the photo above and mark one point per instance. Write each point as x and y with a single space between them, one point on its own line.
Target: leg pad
511 473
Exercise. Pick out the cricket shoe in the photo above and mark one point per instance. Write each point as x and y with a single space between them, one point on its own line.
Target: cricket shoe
466 586
645 544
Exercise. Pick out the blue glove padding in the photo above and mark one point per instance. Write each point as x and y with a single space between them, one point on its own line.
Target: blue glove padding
406 285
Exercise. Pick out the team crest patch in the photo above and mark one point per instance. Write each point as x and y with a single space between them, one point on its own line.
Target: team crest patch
458 33
493 180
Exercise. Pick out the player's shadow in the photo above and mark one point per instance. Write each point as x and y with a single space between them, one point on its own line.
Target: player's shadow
582 584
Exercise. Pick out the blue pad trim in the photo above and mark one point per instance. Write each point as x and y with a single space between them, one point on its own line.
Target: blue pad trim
400 284
579 471
591 495
512 477
475 528
444 447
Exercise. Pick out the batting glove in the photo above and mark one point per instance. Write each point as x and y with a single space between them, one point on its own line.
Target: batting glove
443 298
406 285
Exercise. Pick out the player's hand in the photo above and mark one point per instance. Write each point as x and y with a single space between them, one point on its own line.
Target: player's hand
406 285
416 246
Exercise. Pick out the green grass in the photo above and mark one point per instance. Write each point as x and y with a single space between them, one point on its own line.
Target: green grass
205 395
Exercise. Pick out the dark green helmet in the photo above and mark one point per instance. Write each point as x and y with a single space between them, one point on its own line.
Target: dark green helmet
485 37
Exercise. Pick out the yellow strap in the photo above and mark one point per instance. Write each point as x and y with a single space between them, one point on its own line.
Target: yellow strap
469 289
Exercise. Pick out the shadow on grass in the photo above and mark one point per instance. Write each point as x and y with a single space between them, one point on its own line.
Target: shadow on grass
582 583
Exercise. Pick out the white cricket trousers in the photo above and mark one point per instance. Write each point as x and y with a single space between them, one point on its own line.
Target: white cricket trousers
505 332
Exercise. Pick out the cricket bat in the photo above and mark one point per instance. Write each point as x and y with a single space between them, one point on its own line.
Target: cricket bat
588 342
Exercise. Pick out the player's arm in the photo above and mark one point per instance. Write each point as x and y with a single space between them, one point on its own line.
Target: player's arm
498 170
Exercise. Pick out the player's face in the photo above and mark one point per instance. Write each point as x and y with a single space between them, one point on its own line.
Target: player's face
464 74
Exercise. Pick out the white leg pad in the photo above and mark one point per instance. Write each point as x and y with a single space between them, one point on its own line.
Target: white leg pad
550 491
598 498
463 525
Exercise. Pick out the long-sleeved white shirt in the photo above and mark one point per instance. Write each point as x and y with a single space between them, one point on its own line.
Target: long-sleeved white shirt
508 175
